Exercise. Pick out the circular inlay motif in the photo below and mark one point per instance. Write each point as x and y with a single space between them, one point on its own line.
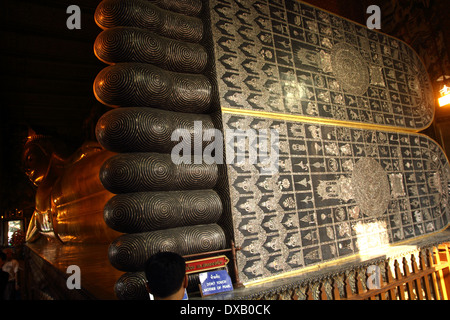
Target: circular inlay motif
349 69
370 186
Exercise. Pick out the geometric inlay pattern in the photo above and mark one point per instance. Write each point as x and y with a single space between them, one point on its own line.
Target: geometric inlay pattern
338 191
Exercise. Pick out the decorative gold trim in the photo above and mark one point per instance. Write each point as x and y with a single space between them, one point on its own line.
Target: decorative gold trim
299 118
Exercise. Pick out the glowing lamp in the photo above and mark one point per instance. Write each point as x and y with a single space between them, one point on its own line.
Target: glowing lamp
445 96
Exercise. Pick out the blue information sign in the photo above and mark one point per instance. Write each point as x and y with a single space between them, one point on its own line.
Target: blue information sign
215 282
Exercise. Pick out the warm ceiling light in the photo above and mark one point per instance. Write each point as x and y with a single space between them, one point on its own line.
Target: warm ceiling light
445 96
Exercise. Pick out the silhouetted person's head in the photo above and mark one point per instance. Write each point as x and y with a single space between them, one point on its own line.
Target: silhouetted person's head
166 276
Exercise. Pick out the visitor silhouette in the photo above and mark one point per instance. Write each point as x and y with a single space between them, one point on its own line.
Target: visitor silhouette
166 276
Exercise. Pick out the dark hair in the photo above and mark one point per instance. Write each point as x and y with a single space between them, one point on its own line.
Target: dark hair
165 272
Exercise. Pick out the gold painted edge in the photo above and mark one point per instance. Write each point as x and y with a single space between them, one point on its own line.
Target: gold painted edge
301 118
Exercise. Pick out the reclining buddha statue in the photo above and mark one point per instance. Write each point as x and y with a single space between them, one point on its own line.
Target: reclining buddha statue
69 196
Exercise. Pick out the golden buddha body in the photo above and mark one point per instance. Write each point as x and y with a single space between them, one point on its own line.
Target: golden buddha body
69 196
